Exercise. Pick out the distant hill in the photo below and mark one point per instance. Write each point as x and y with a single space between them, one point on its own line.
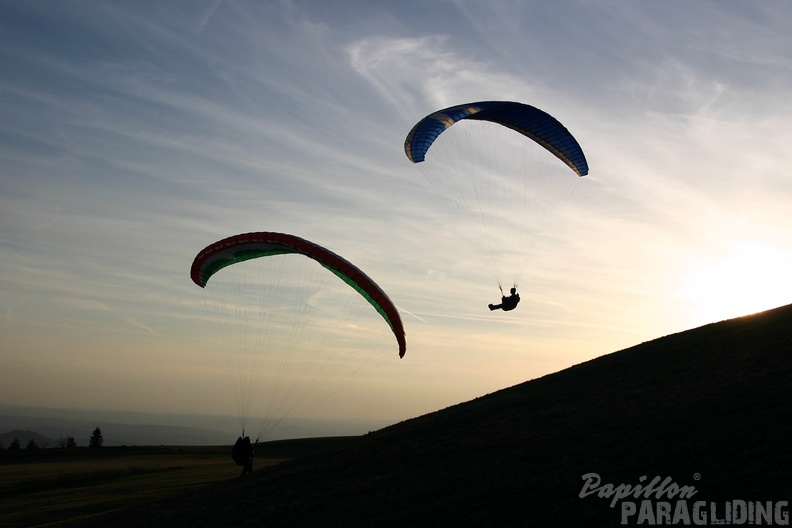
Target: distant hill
113 433
710 409
24 438
146 429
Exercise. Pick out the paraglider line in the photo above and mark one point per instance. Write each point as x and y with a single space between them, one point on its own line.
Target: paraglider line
410 313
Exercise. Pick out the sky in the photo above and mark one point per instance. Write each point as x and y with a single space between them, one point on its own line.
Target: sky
133 134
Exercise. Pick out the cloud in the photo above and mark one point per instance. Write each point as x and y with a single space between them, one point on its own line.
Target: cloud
85 304
142 326
208 14
419 75
10 317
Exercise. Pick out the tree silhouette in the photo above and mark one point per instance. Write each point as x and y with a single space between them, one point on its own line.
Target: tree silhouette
66 442
14 445
32 444
96 440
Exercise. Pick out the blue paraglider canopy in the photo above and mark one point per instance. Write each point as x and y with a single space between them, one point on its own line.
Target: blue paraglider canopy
525 119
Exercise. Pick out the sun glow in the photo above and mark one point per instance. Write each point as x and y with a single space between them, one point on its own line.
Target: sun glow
747 278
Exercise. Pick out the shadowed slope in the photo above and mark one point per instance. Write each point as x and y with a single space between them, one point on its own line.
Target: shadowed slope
713 402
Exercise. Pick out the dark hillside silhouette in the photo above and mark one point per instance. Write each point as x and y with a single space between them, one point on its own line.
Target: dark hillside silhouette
710 408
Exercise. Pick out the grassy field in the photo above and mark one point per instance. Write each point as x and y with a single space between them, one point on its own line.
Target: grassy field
60 487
